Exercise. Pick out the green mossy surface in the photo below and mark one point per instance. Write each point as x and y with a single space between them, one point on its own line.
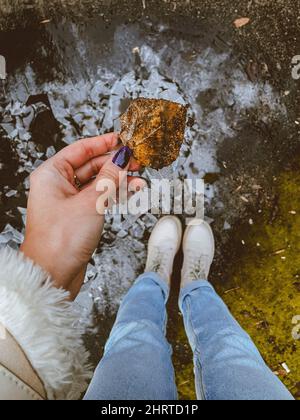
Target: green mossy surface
263 290
184 367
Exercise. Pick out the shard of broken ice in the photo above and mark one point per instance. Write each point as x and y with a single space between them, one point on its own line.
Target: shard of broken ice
11 236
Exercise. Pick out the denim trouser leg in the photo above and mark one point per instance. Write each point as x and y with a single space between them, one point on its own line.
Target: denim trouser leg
137 361
228 366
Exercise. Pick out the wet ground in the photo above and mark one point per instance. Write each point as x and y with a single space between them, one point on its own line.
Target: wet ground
242 138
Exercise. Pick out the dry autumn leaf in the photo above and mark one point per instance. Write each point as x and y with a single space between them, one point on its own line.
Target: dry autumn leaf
239 23
154 131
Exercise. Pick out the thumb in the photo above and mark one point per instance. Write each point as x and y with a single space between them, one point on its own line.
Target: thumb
110 177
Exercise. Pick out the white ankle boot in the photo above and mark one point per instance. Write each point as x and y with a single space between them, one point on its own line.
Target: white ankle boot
199 250
164 244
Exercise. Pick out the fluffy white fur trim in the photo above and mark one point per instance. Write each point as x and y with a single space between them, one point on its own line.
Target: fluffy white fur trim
43 322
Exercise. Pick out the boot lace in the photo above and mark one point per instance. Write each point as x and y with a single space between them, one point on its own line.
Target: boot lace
197 267
159 260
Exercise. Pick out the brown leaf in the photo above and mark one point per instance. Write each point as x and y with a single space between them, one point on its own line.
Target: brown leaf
239 23
154 131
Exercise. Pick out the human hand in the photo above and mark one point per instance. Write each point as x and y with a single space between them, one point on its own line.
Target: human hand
63 227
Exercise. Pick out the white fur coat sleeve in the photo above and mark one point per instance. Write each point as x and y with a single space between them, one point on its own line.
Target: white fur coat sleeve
42 321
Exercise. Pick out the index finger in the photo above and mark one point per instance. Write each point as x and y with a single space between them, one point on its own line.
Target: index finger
82 151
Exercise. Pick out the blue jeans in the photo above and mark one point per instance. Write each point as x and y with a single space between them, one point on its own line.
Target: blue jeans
137 362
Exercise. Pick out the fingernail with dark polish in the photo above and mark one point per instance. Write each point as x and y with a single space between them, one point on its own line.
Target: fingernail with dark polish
122 158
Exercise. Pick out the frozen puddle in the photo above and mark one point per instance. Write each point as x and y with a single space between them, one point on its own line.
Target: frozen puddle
140 63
